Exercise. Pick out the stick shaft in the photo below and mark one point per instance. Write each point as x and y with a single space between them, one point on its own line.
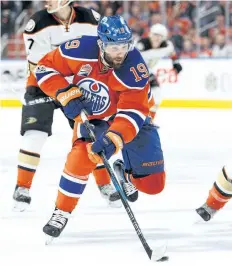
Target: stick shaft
118 188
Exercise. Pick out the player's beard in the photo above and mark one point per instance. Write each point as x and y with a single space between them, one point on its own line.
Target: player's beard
116 62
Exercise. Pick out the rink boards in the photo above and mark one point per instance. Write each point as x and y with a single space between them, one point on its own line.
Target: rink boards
203 83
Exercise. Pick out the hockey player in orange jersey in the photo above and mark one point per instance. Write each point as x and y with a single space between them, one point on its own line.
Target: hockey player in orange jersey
111 82
219 194
46 30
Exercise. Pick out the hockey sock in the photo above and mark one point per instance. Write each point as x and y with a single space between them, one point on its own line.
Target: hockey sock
101 175
221 191
29 156
70 190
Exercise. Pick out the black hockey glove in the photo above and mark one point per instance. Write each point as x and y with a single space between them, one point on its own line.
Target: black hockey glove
177 66
153 81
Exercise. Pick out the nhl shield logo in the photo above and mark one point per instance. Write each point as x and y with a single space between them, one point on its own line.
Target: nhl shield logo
97 92
85 70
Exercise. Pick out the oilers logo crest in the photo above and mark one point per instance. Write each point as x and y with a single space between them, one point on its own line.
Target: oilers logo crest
97 92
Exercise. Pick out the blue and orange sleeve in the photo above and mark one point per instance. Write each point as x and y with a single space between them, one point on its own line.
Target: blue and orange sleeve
65 61
132 110
50 72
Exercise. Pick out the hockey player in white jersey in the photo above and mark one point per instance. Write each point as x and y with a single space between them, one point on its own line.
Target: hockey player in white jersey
153 48
46 30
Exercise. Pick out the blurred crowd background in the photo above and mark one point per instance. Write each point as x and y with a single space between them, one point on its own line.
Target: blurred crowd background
197 28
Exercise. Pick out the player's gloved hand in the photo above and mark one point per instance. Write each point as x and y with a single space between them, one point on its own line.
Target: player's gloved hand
98 127
109 143
73 101
153 81
177 66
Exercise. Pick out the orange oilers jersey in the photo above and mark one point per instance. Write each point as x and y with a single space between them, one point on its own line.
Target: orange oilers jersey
44 32
124 91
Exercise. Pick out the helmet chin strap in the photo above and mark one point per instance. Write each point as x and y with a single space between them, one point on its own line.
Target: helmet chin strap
104 62
59 7
102 54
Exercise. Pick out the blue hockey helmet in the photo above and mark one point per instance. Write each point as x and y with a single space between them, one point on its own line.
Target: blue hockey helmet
114 30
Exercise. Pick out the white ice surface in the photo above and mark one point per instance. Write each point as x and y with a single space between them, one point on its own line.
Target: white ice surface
196 144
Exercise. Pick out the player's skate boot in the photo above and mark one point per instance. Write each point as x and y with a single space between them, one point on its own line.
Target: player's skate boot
56 224
109 193
206 212
22 198
128 188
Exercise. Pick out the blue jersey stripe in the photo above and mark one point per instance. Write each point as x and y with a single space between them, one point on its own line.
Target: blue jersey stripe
85 47
39 76
139 121
70 186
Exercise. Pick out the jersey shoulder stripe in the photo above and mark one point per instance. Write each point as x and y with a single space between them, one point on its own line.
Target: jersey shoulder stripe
42 19
85 15
84 48
133 74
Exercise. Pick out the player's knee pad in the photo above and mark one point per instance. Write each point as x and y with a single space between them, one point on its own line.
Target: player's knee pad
223 183
33 141
78 162
151 184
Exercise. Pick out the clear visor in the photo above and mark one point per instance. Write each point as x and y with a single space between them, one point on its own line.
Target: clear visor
117 48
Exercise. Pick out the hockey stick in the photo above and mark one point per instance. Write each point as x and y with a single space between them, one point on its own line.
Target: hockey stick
156 254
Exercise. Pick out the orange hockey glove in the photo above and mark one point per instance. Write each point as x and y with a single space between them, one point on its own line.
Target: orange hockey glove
73 101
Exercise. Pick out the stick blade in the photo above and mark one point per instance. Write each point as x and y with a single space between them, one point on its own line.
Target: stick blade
158 253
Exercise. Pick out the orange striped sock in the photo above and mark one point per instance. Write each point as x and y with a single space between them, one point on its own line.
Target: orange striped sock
27 164
215 199
101 176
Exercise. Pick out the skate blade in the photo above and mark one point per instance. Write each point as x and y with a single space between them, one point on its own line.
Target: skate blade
48 239
112 204
115 204
20 206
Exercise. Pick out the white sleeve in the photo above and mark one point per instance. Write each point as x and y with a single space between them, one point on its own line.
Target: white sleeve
152 56
37 45
159 52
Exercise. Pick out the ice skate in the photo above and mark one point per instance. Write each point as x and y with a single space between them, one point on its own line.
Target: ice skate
22 198
206 212
128 188
55 225
109 193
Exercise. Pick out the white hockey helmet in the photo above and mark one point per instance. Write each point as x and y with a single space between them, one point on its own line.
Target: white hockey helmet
159 29
59 6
